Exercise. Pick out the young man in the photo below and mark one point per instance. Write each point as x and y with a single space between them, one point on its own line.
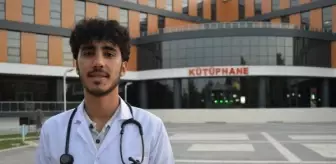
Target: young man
101 49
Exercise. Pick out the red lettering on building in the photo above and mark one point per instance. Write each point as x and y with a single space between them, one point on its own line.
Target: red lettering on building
218 71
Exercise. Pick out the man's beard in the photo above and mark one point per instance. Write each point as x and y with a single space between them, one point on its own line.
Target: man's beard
101 93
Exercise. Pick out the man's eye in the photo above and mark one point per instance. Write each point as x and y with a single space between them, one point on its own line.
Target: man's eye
108 54
88 53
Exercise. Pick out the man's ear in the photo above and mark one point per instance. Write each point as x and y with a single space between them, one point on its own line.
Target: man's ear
123 68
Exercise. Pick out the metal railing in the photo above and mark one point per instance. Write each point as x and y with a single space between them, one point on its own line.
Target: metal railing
30 106
231 25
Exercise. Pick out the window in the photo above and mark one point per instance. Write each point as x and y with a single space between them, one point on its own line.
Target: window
14 47
152 3
102 11
285 19
28 7
241 9
161 22
123 17
200 8
294 3
42 49
257 7
67 55
143 24
2 9
305 20
275 5
185 6
169 5
213 10
327 19
79 10
55 12
133 1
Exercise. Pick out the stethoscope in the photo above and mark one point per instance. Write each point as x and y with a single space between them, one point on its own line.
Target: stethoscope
67 158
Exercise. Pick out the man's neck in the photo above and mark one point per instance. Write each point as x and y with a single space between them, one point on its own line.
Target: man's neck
101 109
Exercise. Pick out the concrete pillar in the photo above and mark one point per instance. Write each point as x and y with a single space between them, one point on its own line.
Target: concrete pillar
177 94
143 95
325 93
262 92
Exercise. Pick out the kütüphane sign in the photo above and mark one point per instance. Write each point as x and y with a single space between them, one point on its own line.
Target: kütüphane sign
218 71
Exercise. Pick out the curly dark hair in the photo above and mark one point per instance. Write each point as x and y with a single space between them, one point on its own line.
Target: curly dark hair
96 29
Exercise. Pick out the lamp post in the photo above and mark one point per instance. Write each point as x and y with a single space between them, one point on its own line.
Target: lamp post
126 85
65 86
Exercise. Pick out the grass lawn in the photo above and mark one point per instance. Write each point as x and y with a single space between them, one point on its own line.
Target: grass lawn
32 134
5 144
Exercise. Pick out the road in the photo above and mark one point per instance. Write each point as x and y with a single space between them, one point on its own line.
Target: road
237 144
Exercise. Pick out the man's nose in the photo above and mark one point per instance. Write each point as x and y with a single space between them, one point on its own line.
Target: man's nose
98 60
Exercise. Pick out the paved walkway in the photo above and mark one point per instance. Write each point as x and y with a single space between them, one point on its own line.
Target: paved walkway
237 144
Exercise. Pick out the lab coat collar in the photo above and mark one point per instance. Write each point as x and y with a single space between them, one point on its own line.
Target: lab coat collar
83 127
124 112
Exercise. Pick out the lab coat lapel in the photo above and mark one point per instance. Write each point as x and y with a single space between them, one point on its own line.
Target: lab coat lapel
83 128
114 133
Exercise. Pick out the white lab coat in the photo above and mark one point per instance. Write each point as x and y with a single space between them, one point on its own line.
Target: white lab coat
158 149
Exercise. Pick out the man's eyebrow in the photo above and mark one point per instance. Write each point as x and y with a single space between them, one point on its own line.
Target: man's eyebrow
108 48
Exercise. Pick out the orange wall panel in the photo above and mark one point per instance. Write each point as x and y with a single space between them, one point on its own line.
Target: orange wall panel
91 10
207 9
68 13
134 25
334 18
249 8
233 7
266 6
14 10
113 13
3 46
192 7
295 19
161 4
304 1
143 2
132 63
220 12
316 19
284 4
333 54
276 20
28 48
152 23
42 12
55 50
177 6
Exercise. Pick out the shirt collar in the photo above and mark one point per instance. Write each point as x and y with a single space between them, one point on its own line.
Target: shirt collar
123 113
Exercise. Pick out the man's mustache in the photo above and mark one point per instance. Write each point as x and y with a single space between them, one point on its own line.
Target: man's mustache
96 72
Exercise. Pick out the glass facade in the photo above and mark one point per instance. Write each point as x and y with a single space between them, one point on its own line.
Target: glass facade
185 6
123 20
189 93
2 9
28 13
14 46
42 49
67 55
55 12
79 10
228 51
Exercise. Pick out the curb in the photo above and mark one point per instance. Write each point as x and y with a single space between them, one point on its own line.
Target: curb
29 144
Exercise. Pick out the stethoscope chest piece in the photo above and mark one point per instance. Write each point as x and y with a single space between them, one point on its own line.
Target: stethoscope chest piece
66 159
